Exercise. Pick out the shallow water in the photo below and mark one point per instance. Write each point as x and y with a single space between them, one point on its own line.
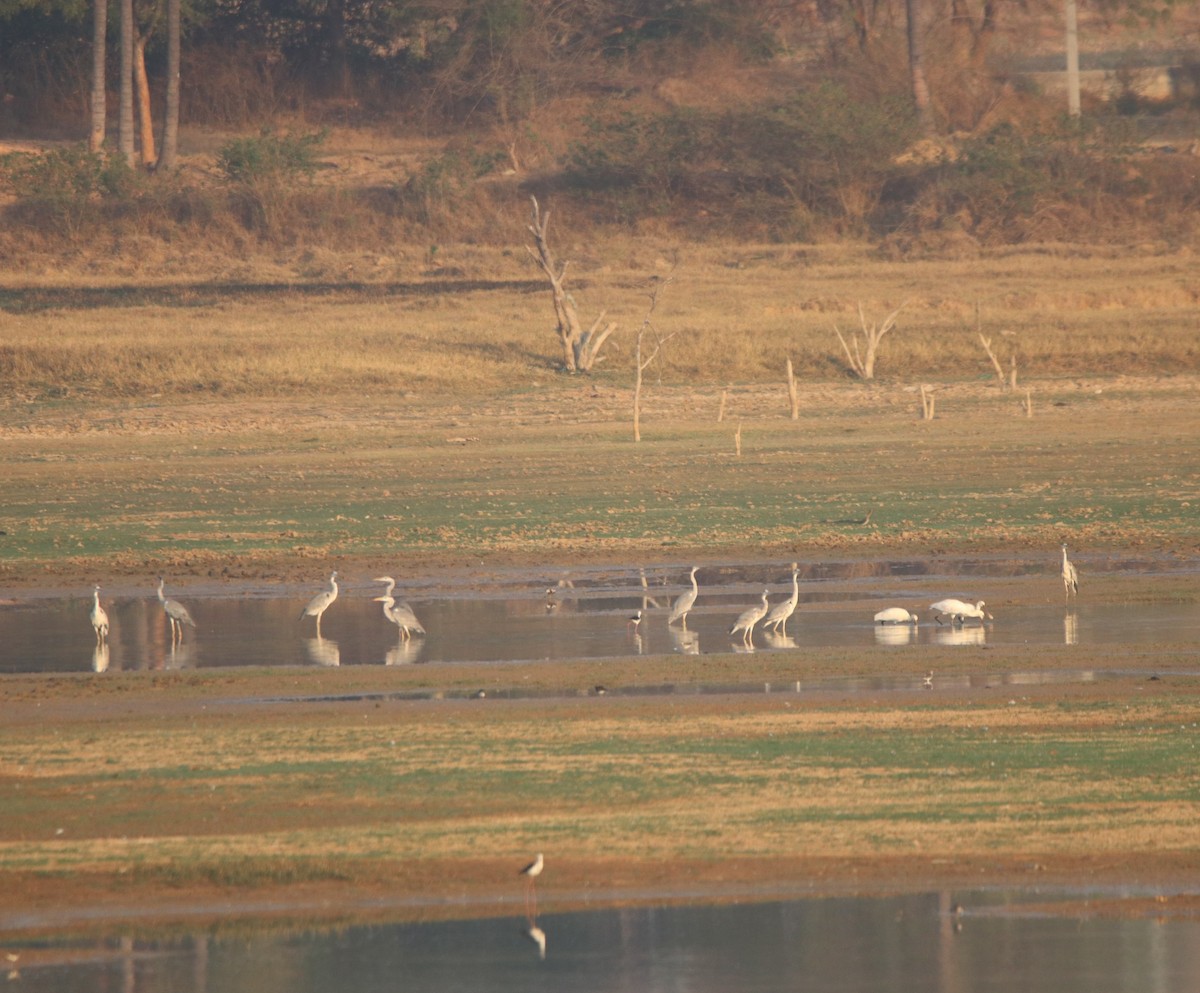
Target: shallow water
517 620
913 943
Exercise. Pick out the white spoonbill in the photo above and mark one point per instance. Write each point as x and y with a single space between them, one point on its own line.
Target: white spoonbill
959 610
896 615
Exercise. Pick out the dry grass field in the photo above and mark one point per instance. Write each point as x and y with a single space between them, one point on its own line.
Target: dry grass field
266 425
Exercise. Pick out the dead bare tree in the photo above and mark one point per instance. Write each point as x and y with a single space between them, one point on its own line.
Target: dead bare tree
862 361
927 402
581 349
644 363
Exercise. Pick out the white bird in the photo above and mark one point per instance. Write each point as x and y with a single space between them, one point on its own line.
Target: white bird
635 622
748 618
399 614
320 603
778 615
99 618
896 615
531 872
1070 576
959 610
683 604
176 613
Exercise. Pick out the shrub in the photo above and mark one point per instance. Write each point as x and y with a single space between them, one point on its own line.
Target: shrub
63 188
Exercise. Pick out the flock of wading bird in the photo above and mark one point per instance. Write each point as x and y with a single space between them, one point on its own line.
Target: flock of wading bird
773 617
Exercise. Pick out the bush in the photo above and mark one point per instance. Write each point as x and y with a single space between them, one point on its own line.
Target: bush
264 171
64 188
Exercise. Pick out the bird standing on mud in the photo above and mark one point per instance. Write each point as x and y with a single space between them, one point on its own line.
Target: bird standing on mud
99 618
531 872
1070 576
320 603
176 613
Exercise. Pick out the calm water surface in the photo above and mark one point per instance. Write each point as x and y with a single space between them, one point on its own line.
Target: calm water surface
517 621
912 943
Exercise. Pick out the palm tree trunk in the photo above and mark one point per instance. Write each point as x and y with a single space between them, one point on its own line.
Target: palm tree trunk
142 94
99 52
125 143
916 66
170 135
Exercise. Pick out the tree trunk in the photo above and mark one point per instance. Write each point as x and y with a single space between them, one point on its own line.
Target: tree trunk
96 131
125 144
339 63
916 66
168 155
145 118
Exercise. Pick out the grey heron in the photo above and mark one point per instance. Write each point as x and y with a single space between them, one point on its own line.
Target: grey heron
777 616
683 604
1070 576
748 618
896 615
320 603
99 618
959 610
400 614
176 613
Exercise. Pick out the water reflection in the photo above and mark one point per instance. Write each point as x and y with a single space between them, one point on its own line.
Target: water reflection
942 942
100 658
960 635
322 651
260 628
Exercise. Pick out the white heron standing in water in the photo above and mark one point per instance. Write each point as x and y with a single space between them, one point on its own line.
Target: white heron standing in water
1070 576
400 614
748 618
683 604
176 613
99 618
320 603
777 616
959 610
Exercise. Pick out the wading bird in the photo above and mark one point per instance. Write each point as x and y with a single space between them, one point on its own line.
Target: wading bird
778 615
959 610
399 614
682 605
99 618
748 618
531 872
320 603
176 613
1070 576
896 615
635 623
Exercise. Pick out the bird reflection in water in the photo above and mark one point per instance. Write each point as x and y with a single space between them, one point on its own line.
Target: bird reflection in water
322 651
180 656
902 634
1070 629
685 641
976 635
405 653
776 639
100 657
538 937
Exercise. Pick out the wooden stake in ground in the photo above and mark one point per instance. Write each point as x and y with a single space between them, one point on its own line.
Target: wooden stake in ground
581 349
862 364
737 440
1028 404
926 402
793 395
721 409
987 347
